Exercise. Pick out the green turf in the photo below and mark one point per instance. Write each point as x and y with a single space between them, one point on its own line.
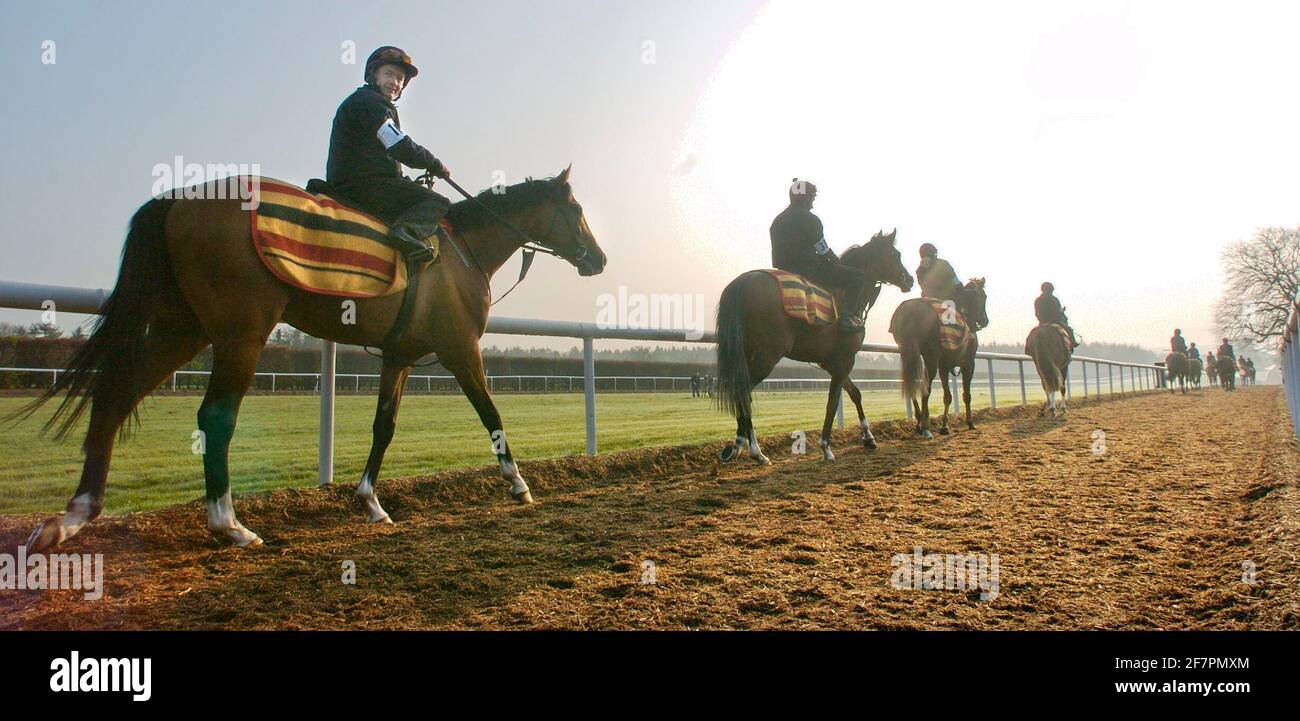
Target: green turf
275 444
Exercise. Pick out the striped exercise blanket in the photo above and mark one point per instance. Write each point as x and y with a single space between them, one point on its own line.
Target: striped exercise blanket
317 244
804 300
952 326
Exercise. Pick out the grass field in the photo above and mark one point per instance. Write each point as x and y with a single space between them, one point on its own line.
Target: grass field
275 445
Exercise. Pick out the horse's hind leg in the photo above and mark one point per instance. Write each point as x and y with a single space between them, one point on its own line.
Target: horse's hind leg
392 382
170 343
967 375
234 361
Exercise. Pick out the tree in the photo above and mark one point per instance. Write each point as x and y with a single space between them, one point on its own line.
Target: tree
45 330
1261 278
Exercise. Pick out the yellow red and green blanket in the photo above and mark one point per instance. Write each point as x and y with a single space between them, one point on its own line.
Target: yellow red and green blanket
803 299
315 243
952 326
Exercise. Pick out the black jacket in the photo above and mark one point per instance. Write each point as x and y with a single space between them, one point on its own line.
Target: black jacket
796 234
1047 308
356 151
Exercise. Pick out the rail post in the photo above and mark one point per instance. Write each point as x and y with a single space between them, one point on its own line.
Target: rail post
1024 397
325 474
1084 364
589 390
993 393
956 393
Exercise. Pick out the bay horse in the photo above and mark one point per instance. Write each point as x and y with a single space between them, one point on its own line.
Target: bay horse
754 334
1176 371
1227 372
190 277
1051 352
915 327
1212 369
1194 370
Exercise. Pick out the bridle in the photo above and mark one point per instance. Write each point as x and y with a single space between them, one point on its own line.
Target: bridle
530 246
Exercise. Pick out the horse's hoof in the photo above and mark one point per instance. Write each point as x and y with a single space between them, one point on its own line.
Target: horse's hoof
762 460
927 435
383 519
523 498
944 431
827 455
970 426
47 535
869 443
238 536
727 453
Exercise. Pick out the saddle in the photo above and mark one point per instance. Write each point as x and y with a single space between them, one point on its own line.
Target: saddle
1065 334
803 299
320 241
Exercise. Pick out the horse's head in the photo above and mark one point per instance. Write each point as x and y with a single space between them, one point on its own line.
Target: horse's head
974 302
567 233
880 260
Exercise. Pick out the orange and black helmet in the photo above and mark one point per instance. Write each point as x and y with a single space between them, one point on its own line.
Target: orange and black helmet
390 55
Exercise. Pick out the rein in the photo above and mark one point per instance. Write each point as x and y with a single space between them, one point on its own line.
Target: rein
530 246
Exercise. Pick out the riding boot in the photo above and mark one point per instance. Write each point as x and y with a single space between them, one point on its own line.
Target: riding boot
416 224
1073 343
851 318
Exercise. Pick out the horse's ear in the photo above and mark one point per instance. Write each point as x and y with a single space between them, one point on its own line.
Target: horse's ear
564 176
893 234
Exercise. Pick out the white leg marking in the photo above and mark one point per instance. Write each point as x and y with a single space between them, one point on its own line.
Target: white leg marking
223 524
754 451
826 450
518 489
366 492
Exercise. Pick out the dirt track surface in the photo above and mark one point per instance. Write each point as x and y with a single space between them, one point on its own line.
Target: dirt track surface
1151 534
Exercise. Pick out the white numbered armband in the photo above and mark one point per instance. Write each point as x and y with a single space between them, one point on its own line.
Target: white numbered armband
821 247
389 134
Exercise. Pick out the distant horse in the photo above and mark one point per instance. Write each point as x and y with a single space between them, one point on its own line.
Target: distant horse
915 327
1176 371
190 277
1227 372
1247 374
1194 370
1212 369
754 333
1051 352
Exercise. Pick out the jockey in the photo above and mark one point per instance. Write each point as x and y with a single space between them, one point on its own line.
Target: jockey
799 246
368 148
1225 349
1047 308
936 277
1177 344
1194 352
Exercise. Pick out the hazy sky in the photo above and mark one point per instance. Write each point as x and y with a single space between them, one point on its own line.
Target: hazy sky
1111 148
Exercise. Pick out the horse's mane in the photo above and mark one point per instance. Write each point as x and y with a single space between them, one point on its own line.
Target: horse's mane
467 215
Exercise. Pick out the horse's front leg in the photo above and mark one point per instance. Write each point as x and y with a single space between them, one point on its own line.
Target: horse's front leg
868 440
966 376
467 365
832 405
392 381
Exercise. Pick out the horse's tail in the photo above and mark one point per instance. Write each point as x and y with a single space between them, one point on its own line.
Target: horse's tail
733 363
1048 370
912 370
102 368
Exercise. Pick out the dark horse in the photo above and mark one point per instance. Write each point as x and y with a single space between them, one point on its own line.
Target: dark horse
1227 372
1176 371
754 333
1212 369
1194 370
190 278
915 327
1050 349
